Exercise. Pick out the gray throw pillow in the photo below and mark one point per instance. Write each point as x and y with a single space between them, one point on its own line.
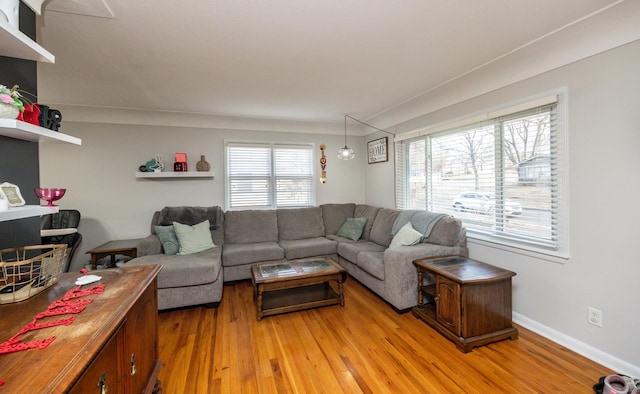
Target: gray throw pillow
168 238
352 228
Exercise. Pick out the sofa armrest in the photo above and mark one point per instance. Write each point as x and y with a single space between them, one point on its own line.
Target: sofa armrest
401 278
149 246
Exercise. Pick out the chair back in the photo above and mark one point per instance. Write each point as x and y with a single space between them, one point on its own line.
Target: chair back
65 218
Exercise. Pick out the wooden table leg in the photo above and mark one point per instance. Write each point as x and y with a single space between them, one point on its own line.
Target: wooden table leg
419 286
94 261
259 303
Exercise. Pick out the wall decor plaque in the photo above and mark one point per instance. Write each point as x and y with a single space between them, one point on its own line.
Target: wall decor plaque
377 150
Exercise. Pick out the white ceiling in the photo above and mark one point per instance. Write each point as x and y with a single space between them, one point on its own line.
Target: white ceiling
303 60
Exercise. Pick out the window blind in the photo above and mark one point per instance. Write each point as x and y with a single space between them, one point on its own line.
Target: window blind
498 175
264 175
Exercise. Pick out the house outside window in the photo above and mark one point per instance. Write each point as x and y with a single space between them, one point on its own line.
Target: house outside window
269 175
498 174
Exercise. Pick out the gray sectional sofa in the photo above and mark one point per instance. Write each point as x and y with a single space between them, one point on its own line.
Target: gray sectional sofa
247 237
184 280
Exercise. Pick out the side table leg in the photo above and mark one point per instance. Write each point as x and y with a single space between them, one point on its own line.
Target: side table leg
259 305
419 286
341 293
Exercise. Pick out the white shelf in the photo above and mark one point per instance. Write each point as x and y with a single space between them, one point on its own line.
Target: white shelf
26 211
35 5
14 43
176 174
26 131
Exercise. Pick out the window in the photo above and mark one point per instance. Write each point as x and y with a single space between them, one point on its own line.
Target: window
264 175
498 173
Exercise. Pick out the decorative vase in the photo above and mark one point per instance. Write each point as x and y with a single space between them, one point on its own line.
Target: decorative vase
8 111
203 165
31 114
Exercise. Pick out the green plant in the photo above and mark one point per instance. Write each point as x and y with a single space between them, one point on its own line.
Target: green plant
11 96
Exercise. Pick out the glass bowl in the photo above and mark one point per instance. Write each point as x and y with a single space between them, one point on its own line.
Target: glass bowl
49 194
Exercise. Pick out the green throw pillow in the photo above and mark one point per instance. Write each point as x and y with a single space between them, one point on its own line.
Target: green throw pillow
352 228
168 238
406 236
193 239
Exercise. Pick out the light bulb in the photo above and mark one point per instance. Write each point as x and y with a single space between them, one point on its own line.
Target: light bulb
346 153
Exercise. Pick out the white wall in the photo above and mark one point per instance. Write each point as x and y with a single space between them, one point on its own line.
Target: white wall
603 270
100 180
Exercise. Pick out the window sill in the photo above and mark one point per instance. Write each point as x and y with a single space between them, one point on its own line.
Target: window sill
513 247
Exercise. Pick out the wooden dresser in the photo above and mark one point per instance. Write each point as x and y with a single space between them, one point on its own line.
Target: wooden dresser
111 346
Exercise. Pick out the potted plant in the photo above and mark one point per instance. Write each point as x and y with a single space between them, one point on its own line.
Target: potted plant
10 102
14 105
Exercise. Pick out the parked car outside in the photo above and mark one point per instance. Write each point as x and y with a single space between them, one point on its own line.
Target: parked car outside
484 202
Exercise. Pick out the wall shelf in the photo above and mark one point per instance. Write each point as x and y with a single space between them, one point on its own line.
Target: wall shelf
176 174
14 43
26 211
26 131
35 5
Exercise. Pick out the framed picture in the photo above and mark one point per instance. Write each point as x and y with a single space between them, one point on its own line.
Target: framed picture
377 150
11 193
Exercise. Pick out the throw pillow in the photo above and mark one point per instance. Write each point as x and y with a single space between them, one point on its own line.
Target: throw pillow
193 239
168 238
406 236
352 228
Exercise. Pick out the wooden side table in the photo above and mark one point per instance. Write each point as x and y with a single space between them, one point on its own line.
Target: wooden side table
470 302
124 247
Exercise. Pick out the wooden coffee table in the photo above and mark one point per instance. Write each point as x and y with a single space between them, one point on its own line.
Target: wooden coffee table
296 285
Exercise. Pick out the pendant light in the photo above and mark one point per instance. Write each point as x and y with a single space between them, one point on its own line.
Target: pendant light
345 153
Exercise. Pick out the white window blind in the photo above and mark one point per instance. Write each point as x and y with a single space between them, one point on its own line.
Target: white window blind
498 175
263 175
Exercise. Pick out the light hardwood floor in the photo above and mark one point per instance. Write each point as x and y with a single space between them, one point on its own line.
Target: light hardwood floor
363 347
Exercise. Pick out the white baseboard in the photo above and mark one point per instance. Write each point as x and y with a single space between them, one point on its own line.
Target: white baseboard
582 348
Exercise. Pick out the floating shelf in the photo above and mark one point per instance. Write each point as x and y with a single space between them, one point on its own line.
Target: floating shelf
26 131
26 211
14 43
176 174
35 5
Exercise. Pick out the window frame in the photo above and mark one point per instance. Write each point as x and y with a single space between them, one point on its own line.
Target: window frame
557 253
272 176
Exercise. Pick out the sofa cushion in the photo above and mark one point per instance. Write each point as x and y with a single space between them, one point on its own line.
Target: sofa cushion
350 250
167 236
341 239
193 239
334 216
382 225
299 248
373 263
300 223
445 232
182 271
369 212
251 226
239 254
352 228
406 236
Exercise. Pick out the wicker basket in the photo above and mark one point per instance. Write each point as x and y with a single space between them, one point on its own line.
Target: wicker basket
22 276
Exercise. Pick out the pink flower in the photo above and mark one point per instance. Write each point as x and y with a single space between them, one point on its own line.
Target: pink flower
6 98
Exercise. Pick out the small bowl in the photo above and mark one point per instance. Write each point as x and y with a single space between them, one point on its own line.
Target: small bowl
49 194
